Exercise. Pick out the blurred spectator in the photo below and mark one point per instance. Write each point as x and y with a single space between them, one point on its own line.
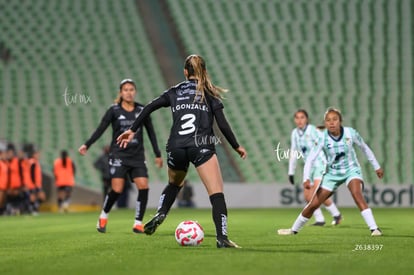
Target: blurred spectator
64 171
33 180
3 177
102 165
15 181
185 196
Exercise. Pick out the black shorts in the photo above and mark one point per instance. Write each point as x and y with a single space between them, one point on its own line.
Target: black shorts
65 188
180 158
120 169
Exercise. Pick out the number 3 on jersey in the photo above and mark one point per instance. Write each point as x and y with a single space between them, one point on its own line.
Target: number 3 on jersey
188 125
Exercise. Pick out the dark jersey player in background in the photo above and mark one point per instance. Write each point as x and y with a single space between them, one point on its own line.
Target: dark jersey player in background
194 103
126 161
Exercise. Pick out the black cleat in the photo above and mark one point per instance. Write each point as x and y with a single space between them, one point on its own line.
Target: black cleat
318 224
376 232
152 225
226 243
337 220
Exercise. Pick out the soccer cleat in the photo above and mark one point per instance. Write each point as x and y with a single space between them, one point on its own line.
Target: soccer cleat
152 225
337 220
138 228
318 224
376 232
226 243
65 207
101 225
286 232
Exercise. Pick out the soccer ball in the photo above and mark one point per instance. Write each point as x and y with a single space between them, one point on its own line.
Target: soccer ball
189 233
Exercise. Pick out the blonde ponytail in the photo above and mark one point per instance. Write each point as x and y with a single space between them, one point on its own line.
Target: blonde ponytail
196 67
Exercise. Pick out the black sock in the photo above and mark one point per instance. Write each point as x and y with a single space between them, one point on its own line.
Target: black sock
36 206
141 205
60 201
110 199
219 211
168 197
32 207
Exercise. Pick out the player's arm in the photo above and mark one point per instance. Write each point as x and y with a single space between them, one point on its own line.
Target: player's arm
105 121
225 128
33 173
73 168
359 141
292 158
127 136
313 155
153 138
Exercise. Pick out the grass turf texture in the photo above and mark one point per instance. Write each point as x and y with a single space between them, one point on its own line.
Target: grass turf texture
70 244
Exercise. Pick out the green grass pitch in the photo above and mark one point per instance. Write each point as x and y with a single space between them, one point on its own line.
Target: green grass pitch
70 244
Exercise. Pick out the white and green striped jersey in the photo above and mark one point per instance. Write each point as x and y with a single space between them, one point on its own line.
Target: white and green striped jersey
340 153
301 143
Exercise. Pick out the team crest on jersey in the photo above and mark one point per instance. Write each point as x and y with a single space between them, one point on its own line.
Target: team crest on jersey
348 141
112 170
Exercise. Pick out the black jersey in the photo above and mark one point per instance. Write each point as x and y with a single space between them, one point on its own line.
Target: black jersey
121 121
192 117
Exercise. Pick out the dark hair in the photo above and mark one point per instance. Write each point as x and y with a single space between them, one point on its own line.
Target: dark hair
11 147
303 111
64 155
125 81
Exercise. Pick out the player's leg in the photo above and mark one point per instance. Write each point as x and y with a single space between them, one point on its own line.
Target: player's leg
40 197
329 204
60 197
177 170
355 187
317 214
2 201
66 198
210 175
334 211
318 198
324 191
32 202
141 203
117 184
167 198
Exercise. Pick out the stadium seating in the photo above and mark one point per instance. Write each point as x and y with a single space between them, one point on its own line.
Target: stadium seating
85 49
277 56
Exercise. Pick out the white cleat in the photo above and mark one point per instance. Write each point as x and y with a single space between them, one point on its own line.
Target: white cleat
286 232
376 232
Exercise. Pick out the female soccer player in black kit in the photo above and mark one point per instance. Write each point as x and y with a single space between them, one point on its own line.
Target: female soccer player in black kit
194 103
129 160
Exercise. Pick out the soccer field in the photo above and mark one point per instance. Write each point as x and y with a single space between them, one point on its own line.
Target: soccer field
70 244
